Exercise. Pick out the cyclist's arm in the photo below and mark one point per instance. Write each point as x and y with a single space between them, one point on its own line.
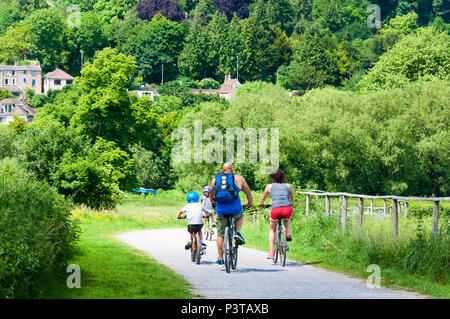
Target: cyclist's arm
247 192
265 194
291 194
179 215
211 193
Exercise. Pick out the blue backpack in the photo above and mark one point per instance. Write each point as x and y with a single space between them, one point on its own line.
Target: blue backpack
225 190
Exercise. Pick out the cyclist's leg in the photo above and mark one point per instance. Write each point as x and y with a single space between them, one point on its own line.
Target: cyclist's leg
238 221
221 225
273 226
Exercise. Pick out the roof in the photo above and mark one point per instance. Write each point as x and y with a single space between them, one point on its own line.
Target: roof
12 89
30 67
205 91
226 87
20 107
58 74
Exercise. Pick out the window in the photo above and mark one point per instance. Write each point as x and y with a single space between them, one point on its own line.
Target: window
2 119
6 81
33 73
13 72
33 83
7 108
24 80
13 81
69 81
57 82
25 72
6 72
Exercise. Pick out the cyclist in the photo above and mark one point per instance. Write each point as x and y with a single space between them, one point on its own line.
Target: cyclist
207 206
194 216
282 196
227 182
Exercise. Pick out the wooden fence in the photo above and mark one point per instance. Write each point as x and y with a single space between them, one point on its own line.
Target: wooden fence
398 203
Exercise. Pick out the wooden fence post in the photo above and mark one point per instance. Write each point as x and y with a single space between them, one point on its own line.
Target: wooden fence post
344 212
360 211
371 206
384 207
307 204
435 219
327 205
395 217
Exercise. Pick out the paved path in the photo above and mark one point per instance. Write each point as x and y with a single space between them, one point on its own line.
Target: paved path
255 276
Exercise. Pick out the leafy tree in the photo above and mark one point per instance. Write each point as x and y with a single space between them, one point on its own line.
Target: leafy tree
402 25
171 9
7 148
278 13
15 43
5 94
18 125
109 10
47 47
209 83
420 55
157 42
204 10
231 7
9 14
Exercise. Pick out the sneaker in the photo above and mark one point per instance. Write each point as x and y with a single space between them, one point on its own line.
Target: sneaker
270 255
288 236
204 245
219 261
240 240
187 246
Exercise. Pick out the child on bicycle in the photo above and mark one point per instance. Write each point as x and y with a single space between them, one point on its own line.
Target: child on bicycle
207 206
194 216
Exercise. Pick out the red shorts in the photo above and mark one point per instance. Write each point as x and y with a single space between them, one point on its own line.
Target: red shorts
285 211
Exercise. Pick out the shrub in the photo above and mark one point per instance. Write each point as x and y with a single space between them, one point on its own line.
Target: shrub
36 233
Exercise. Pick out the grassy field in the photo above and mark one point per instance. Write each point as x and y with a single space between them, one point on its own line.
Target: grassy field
111 269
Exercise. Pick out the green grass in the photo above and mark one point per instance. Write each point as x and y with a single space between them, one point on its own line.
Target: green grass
111 269
322 244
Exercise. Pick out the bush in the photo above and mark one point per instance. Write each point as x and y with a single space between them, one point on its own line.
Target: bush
36 233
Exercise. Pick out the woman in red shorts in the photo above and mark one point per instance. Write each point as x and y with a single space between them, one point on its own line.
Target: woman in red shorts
282 196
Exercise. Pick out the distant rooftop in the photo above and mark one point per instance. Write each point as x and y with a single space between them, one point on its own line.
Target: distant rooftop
58 74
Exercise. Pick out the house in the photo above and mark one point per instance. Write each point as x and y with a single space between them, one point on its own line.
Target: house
145 90
16 78
56 80
229 87
8 107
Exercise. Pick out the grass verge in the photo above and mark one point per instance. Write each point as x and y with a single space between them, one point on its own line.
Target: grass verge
111 269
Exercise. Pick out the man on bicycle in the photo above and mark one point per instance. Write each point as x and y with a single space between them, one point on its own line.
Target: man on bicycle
234 207
194 216
207 206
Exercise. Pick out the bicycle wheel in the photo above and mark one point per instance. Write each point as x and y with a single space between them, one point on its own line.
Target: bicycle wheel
226 249
192 248
198 248
283 246
235 256
206 231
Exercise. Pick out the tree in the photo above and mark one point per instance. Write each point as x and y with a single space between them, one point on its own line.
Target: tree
109 10
402 25
171 9
15 43
278 13
5 94
157 42
231 7
9 14
420 55
47 47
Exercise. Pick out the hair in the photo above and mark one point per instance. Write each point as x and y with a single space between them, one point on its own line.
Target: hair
278 176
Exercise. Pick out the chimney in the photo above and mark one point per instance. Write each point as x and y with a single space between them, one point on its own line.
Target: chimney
227 77
15 62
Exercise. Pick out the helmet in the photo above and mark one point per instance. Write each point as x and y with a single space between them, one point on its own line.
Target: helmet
206 189
192 197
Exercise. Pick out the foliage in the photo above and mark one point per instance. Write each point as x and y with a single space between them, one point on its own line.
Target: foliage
18 125
171 9
36 233
420 55
240 8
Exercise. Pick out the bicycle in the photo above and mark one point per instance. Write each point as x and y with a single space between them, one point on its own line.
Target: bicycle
209 232
230 251
196 248
280 240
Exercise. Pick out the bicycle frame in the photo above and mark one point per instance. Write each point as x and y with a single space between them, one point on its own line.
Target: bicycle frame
230 248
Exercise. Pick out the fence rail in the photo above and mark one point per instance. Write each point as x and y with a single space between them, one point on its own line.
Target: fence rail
397 203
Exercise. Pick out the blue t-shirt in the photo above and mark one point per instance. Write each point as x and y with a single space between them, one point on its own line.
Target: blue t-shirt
233 208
